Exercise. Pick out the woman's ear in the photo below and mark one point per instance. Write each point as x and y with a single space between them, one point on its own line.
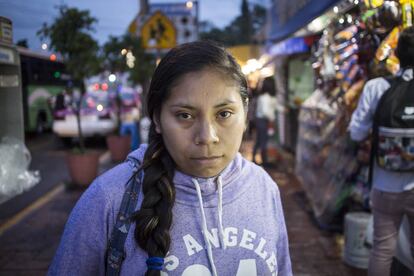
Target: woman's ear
156 121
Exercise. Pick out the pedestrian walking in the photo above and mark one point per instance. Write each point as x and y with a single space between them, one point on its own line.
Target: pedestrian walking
187 203
386 107
265 115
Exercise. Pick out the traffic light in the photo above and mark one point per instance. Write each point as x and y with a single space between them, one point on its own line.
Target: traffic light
56 74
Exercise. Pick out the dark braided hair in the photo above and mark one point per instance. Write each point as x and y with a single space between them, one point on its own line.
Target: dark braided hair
154 219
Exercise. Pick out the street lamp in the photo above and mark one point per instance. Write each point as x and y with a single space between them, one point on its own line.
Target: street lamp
112 77
190 5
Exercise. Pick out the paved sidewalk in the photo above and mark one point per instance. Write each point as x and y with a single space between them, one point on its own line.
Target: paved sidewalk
28 247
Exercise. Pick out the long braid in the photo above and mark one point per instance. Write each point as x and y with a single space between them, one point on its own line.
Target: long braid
153 220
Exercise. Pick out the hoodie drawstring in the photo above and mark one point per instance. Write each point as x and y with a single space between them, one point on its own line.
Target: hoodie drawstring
220 212
204 228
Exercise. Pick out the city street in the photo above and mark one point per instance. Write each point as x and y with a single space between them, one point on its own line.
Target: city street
318 91
34 239
48 157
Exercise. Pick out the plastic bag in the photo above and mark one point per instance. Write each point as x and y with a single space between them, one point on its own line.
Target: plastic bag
15 178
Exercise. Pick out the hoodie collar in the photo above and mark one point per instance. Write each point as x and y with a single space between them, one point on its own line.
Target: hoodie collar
186 193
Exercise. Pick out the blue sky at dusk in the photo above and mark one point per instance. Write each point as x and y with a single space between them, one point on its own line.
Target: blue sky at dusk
113 16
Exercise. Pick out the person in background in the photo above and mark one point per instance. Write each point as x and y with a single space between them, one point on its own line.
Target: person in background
251 112
392 194
198 206
265 114
130 115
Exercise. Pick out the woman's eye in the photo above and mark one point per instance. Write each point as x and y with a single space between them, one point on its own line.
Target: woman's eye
184 116
224 114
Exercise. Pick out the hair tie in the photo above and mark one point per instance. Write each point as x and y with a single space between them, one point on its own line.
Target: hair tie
155 263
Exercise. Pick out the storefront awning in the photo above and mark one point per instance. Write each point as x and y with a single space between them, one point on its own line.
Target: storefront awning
288 16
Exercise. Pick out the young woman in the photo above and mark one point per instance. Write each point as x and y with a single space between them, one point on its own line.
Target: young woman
201 208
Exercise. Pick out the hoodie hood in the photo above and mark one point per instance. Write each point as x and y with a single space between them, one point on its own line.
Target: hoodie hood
186 192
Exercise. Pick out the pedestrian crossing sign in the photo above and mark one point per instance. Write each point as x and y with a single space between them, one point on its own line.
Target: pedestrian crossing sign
159 32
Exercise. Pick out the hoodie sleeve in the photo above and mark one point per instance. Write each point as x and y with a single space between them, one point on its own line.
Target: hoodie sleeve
283 256
83 243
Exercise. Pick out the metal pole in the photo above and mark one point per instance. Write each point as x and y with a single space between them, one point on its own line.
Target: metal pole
197 23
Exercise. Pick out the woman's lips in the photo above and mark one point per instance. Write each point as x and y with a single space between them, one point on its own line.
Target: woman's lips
208 160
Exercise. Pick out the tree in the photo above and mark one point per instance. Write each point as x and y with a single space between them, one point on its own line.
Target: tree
245 23
144 62
22 43
242 29
113 60
70 36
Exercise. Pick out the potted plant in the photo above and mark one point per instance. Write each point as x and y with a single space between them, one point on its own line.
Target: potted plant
69 35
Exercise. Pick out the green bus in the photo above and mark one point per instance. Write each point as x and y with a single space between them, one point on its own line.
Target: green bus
43 77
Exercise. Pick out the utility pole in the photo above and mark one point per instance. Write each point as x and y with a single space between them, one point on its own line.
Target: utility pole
143 7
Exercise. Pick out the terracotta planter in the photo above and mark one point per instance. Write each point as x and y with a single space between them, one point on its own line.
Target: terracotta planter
119 147
83 168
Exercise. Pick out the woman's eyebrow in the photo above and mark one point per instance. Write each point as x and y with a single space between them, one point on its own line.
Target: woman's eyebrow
188 106
224 103
183 105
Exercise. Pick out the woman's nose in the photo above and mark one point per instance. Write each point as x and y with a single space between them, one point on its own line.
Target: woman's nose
206 134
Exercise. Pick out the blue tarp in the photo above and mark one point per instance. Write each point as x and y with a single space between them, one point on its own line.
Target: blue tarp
288 16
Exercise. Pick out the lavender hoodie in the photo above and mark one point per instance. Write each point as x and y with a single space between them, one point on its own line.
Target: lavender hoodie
231 224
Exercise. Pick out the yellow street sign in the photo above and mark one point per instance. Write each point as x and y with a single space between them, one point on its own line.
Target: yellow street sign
158 32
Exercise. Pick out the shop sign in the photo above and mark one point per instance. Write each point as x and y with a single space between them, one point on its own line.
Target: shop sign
6 55
172 9
6 31
290 46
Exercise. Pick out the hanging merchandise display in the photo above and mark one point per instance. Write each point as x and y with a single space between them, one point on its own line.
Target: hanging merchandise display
407 12
324 163
357 46
386 51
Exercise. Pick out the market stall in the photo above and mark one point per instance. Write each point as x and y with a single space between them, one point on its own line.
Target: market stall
357 45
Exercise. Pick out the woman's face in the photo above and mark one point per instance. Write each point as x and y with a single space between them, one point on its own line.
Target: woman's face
202 123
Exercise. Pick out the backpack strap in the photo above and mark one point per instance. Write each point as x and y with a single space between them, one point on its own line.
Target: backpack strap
115 254
375 126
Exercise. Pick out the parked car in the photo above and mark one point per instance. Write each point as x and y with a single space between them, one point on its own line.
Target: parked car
97 117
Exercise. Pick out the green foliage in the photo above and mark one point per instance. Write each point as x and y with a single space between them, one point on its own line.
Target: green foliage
22 43
70 35
144 63
115 62
244 23
242 29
